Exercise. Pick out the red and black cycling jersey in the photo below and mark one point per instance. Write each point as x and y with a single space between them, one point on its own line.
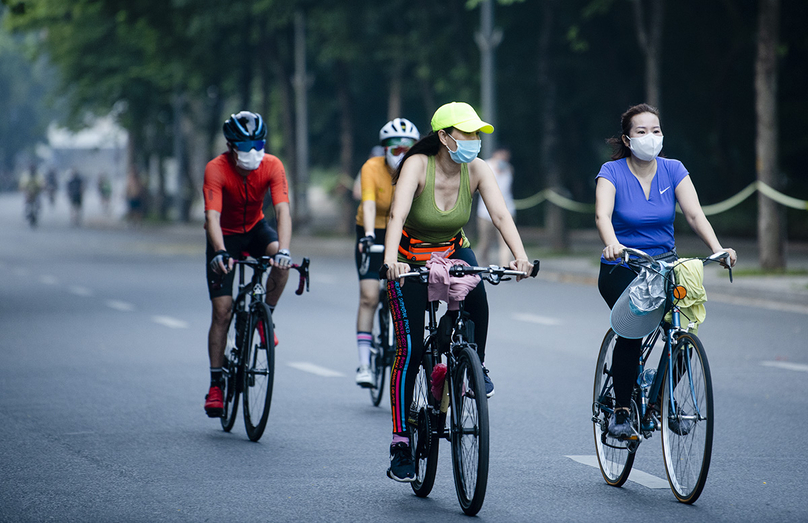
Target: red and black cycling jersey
240 199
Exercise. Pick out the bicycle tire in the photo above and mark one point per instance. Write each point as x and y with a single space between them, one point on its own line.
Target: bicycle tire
469 430
615 458
259 371
424 440
232 385
377 354
687 430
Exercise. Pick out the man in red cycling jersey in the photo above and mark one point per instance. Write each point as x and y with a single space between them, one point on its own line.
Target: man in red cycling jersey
235 185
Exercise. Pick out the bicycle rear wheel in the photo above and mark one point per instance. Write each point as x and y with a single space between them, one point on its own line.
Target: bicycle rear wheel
259 371
232 383
469 430
687 419
615 457
423 431
377 353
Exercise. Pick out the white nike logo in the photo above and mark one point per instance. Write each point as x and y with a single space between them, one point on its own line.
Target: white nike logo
663 190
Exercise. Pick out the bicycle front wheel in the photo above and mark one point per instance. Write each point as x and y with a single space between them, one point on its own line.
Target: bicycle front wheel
259 371
377 354
469 426
232 383
423 430
687 419
615 457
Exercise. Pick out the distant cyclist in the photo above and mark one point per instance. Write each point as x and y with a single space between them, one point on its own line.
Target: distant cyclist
397 136
234 188
32 185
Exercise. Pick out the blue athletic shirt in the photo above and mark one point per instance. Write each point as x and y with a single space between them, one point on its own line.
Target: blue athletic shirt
639 223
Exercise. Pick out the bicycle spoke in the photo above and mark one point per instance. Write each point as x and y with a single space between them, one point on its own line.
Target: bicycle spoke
687 420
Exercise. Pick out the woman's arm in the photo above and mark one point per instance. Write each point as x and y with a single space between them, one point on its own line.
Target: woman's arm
604 207
409 181
689 202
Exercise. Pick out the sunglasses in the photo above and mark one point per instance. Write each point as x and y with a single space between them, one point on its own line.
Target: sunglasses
395 150
247 146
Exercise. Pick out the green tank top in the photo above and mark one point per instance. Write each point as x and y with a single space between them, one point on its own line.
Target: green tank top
428 223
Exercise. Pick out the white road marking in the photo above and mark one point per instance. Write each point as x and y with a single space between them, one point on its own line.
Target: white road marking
637 476
315 369
120 305
80 291
760 304
785 365
168 321
47 279
534 318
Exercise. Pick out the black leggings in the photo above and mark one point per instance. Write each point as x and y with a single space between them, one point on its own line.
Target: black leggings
408 304
611 284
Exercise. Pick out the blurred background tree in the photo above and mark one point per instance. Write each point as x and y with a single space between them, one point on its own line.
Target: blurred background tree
565 71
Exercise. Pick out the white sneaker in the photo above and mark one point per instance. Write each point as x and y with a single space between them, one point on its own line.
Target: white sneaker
363 376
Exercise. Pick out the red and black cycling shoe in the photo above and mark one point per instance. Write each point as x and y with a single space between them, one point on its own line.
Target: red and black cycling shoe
214 402
264 336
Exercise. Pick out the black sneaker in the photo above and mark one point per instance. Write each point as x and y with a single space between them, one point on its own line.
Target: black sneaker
489 385
401 464
620 425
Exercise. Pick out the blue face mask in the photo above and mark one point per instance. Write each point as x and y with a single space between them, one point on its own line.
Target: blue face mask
467 150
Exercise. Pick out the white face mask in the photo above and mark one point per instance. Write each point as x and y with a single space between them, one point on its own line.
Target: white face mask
392 160
646 147
249 161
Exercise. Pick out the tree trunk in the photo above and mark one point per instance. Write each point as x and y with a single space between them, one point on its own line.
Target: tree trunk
649 36
346 147
287 153
301 81
554 219
771 237
394 97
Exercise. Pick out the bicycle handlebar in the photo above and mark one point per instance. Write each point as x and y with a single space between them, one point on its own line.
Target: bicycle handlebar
717 257
263 263
493 272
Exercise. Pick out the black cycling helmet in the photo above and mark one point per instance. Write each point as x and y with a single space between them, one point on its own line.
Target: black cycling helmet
244 126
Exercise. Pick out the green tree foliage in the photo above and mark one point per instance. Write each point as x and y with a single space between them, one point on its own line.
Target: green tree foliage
24 84
225 57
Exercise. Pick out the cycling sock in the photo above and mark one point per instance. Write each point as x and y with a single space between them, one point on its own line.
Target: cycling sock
400 439
216 377
363 340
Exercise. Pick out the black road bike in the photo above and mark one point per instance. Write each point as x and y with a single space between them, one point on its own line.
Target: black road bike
383 344
249 367
459 410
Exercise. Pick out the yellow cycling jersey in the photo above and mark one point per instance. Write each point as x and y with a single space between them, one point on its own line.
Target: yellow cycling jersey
377 185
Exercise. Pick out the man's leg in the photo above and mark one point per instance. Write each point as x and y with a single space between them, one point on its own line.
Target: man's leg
276 281
217 335
368 302
217 341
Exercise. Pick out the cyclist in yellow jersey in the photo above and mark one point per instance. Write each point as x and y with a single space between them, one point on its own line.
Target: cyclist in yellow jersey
397 136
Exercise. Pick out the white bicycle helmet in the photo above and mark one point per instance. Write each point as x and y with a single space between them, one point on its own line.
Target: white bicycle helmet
399 128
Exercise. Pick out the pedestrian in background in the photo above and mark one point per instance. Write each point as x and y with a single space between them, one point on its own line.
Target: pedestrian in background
500 163
75 191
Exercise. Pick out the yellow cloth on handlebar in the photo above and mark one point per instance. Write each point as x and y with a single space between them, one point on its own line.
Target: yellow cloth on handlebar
690 274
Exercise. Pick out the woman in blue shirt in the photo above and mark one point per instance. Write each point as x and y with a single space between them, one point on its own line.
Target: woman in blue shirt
635 204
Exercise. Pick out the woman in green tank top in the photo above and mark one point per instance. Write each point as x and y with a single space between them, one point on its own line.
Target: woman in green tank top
434 185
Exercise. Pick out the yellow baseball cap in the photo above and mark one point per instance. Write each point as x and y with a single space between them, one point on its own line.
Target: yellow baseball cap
459 115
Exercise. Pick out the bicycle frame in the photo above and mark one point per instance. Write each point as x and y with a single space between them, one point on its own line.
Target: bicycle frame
670 333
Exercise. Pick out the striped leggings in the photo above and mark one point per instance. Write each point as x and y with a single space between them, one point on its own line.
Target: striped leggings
408 305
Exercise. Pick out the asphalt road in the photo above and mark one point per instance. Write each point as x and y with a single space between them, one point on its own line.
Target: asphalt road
104 370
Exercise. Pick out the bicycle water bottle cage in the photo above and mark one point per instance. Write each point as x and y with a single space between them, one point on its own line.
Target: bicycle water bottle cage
466 329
